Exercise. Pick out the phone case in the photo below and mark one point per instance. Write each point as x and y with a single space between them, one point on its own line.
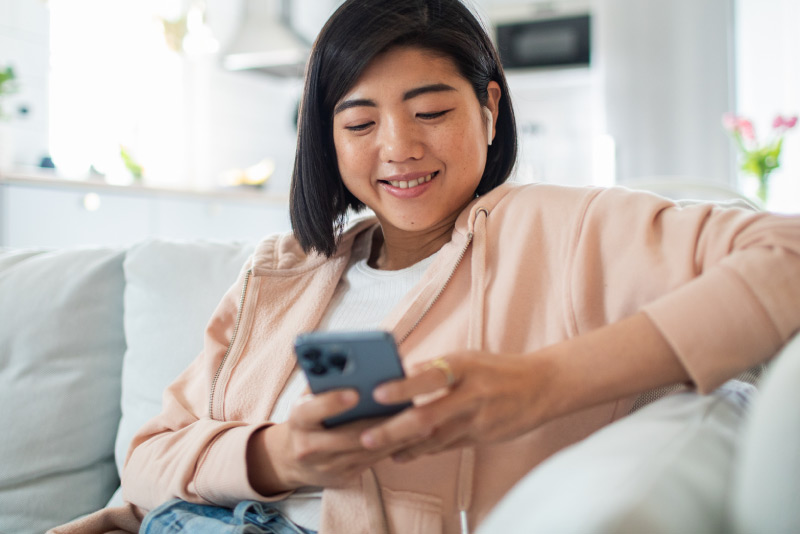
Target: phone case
359 360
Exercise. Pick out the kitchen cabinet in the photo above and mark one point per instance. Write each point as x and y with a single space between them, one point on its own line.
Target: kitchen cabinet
59 213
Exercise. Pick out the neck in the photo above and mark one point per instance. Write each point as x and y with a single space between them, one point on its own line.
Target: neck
394 249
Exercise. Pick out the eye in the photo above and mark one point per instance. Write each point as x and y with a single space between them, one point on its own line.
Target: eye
359 127
434 115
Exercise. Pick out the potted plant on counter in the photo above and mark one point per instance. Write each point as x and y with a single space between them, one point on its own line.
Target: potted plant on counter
8 86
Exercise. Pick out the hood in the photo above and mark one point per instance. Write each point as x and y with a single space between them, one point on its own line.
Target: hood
266 41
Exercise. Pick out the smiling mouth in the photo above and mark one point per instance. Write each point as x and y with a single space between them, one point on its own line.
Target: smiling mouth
408 184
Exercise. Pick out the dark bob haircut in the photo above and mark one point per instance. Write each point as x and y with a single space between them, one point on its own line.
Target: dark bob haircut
357 32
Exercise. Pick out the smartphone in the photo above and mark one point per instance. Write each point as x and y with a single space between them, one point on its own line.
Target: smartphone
358 360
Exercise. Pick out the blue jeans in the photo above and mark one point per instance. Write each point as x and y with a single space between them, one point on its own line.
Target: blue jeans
249 517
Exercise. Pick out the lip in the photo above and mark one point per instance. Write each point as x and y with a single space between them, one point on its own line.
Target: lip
407 177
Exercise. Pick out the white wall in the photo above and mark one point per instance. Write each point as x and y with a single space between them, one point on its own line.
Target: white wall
650 104
768 83
24 44
661 79
185 119
667 68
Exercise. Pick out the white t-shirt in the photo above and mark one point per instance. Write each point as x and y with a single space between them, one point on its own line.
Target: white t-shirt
363 297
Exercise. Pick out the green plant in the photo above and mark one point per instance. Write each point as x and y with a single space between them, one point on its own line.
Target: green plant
758 159
8 85
131 164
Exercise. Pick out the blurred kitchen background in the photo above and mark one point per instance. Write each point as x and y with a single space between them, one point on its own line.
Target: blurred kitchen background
176 118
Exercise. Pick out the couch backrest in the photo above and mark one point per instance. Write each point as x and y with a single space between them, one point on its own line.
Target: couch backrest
61 347
89 338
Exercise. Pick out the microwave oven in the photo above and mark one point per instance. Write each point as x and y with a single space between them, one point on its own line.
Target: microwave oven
549 42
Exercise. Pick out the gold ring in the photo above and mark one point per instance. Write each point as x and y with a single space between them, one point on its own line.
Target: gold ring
443 366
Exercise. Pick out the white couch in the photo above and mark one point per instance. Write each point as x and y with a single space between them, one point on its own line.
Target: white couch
89 338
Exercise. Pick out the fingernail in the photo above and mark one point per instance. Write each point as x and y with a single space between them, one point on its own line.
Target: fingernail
368 440
379 394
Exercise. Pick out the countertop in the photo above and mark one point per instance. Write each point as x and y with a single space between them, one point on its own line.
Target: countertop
37 177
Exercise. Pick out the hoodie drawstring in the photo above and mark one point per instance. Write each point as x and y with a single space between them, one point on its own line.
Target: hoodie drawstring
466 467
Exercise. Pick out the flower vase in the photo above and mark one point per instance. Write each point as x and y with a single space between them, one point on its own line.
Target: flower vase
756 187
762 191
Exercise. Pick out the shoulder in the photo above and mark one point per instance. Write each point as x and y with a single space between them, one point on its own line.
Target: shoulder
552 202
282 252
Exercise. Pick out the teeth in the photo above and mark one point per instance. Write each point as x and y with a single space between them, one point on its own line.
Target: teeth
405 184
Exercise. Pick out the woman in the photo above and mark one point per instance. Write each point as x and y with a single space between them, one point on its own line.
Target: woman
526 317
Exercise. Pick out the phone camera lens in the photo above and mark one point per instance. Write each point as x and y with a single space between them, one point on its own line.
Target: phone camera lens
338 361
318 370
312 355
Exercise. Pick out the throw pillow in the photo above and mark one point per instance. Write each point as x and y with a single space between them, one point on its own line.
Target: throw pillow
171 290
61 347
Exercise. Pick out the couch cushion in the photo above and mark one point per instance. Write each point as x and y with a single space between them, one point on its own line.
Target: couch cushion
766 489
665 468
61 348
171 290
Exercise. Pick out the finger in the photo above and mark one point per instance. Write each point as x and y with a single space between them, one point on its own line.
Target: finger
309 412
429 378
417 422
449 436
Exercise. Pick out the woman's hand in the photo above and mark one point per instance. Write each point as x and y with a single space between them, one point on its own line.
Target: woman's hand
493 397
302 452
496 397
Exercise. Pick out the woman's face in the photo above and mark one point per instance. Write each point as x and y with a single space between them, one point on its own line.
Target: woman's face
411 140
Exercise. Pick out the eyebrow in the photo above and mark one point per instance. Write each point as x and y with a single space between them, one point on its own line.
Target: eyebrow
408 95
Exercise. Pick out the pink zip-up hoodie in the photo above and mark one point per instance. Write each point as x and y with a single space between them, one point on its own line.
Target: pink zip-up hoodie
527 267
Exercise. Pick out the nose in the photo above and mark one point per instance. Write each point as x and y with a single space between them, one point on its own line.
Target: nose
400 140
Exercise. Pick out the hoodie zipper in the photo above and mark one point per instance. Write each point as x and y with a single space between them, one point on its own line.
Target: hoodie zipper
249 272
441 289
239 313
230 345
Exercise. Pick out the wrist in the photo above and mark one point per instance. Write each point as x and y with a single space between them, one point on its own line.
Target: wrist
553 381
265 470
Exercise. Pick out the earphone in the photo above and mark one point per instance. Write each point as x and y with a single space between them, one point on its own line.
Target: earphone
487 114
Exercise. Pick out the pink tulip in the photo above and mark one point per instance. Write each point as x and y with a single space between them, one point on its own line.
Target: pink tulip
745 127
729 121
786 123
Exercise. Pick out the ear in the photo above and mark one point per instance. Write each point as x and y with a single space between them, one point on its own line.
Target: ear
492 106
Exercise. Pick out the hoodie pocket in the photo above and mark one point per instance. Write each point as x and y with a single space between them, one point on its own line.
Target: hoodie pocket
408 512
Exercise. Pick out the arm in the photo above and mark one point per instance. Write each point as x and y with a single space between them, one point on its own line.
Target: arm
721 285
716 292
184 453
169 456
483 405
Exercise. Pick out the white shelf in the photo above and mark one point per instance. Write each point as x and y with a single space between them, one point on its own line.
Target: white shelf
43 210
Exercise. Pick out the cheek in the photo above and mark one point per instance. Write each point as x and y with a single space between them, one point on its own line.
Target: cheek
466 149
347 155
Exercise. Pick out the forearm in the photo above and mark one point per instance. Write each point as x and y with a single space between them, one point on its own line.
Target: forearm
203 462
612 362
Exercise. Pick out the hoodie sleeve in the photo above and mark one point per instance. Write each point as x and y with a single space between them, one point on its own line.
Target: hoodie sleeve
169 455
722 285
